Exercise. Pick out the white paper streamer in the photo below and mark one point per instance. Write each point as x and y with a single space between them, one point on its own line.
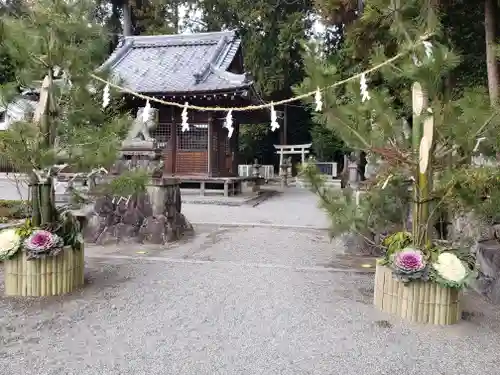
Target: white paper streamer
228 124
364 89
184 116
57 70
105 96
274 119
146 112
416 61
428 48
318 100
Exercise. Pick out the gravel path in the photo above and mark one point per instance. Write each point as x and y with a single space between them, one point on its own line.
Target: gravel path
297 207
235 301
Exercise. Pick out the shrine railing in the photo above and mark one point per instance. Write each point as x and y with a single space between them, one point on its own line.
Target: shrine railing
246 170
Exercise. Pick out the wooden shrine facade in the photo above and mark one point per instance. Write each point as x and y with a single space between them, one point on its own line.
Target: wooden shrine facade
203 150
203 69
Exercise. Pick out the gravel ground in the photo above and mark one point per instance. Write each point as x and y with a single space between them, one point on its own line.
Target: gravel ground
138 317
235 301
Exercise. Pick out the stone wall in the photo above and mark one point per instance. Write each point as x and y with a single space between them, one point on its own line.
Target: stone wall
150 217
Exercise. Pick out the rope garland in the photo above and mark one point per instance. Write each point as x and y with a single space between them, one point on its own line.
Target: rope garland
422 40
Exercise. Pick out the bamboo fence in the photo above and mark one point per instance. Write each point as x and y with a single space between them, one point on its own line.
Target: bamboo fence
418 301
49 276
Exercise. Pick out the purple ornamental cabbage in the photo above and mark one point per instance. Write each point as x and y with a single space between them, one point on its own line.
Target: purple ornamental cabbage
409 264
41 243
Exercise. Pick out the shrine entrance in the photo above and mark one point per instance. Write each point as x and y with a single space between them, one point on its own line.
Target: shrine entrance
284 151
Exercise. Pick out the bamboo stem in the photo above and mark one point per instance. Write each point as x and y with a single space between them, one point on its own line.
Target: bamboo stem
35 204
46 203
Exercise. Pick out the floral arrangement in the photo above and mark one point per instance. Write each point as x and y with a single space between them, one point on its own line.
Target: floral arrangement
41 242
436 264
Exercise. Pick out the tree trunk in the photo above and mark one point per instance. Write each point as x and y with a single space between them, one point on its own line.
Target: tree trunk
127 19
490 14
175 16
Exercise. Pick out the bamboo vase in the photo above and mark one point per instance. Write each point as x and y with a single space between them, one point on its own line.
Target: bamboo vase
49 276
418 301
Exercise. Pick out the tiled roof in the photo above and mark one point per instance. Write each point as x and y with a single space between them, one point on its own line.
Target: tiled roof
183 63
15 111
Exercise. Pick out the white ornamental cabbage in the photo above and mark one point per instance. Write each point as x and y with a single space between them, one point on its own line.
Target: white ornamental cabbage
450 268
10 242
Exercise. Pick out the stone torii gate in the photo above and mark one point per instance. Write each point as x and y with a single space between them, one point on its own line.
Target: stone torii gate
283 150
286 165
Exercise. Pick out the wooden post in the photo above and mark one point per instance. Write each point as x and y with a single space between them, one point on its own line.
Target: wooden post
234 149
173 151
221 148
285 125
209 145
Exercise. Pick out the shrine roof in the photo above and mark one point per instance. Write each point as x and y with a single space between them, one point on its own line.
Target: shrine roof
185 63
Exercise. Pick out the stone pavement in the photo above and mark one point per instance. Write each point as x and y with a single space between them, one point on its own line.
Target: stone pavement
236 299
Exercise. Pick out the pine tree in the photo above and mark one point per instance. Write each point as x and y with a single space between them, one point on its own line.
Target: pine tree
386 129
56 49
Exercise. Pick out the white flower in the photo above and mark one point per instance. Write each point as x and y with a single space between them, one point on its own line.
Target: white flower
10 242
450 268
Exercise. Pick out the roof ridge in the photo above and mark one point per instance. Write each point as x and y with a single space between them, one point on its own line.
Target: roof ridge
202 75
244 78
157 63
181 37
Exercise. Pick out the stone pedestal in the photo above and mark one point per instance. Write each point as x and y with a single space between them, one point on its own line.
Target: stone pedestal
143 155
166 223
353 174
150 217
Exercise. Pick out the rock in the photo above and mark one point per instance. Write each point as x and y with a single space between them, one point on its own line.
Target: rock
154 230
466 227
356 244
152 217
488 279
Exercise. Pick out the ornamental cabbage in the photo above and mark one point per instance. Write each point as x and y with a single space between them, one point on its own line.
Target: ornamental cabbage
450 268
10 243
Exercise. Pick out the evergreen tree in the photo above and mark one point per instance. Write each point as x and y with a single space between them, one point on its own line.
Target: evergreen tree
272 33
385 128
56 42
